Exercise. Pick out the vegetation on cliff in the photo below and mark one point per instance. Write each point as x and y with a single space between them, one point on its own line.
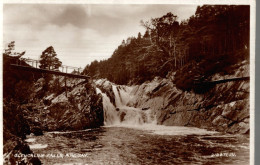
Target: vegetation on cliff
208 42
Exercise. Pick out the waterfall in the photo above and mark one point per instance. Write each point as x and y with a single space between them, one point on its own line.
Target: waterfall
110 115
121 113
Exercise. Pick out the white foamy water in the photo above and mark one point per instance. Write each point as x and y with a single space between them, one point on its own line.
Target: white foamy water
110 113
168 130
68 132
38 146
30 140
121 113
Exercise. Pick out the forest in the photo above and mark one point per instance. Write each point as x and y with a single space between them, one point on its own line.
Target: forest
210 41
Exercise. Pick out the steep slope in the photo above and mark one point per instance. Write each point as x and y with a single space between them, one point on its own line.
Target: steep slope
225 107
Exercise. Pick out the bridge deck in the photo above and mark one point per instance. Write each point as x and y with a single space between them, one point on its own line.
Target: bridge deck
29 68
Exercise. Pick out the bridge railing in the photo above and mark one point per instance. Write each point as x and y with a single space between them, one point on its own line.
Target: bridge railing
63 68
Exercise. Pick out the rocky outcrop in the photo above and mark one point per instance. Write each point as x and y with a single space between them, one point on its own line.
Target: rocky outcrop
74 106
79 107
15 128
106 87
225 107
20 154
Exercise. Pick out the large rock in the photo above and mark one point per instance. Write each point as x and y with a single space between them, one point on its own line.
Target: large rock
224 108
21 154
78 108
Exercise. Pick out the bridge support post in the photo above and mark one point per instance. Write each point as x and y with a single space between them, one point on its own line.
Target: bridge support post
66 86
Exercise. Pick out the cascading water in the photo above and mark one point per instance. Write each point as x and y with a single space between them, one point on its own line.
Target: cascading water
110 117
126 110
121 113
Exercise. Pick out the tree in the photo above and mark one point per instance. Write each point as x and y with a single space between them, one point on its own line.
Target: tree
139 36
214 37
93 68
165 33
123 43
49 59
9 50
17 84
146 34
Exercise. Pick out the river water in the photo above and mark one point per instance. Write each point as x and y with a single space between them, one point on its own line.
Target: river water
122 145
131 136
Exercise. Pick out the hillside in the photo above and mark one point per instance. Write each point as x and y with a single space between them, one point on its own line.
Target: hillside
209 42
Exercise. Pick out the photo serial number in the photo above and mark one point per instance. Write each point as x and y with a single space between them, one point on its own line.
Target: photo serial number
223 154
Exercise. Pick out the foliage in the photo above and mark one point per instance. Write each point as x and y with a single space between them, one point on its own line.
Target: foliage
49 59
216 37
9 51
14 122
23 90
16 83
165 34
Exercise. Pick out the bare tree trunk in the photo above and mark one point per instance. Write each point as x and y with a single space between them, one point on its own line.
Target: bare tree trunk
174 51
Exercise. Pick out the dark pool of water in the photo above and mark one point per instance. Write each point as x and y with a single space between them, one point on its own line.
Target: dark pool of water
120 145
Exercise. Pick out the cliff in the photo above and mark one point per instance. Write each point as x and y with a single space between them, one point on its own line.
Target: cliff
224 108
76 107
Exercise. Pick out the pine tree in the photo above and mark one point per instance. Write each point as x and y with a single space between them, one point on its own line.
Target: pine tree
49 59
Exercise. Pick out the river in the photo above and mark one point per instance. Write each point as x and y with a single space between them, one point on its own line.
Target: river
131 136
122 145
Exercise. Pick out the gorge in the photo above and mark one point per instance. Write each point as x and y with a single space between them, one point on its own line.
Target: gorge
137 127
179 94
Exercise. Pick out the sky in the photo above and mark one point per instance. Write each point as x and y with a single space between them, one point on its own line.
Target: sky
79 33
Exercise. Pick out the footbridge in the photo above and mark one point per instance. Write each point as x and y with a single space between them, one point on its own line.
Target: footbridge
33 65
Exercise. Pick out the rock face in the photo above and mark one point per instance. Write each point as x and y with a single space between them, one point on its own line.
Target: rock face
15 128
77 108
223 108
21 154
57 109
106 87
